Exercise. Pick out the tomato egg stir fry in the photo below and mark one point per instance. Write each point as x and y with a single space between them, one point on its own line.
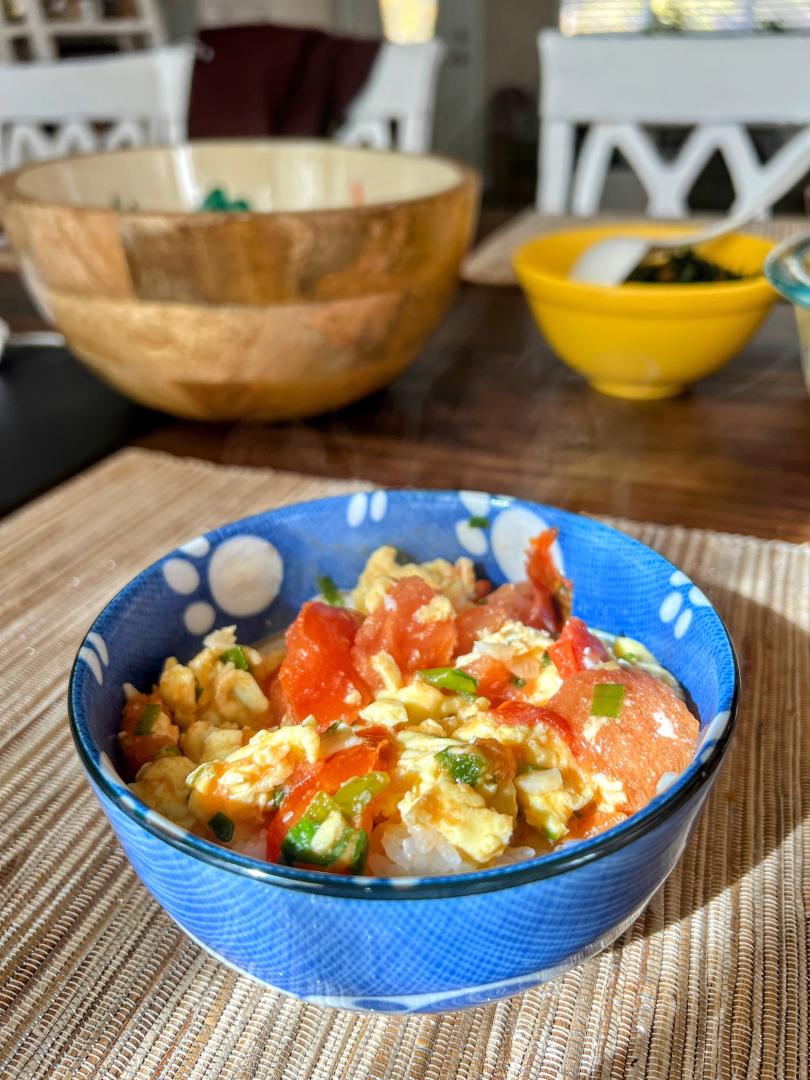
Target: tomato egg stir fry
424 723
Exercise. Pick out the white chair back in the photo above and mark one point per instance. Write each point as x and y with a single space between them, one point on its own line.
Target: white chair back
78 106
395 108
615 84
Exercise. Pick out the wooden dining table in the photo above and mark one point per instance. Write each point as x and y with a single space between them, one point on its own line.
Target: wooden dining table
487 406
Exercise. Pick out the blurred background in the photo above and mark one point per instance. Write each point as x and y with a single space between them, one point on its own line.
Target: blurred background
487 97
574 116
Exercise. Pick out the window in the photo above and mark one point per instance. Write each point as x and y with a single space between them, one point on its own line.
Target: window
629 16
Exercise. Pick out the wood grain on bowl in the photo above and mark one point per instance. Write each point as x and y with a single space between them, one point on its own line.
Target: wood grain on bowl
256 315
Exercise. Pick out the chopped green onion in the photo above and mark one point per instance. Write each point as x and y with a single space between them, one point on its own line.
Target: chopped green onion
518 682
320 808
330 592
464 768
447 678
476 522
277 796
342 847
236 656
354 796
554 830
607 700
221 826
167 751
198 691
300 843
297 844
147 719
545 660
357 852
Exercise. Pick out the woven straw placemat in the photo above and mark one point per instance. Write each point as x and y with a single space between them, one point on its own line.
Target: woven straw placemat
490 263
96 982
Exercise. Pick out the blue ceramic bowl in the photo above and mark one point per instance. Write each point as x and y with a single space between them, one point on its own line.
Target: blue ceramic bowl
407 944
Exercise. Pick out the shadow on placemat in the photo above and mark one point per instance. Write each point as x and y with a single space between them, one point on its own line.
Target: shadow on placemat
749 816
728 927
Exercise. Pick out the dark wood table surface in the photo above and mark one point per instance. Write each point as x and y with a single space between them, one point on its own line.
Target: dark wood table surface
485 406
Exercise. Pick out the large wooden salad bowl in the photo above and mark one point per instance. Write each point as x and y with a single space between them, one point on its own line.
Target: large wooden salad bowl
322 292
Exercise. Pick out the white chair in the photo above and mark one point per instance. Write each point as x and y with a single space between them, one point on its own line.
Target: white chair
395 108
616 84
79 106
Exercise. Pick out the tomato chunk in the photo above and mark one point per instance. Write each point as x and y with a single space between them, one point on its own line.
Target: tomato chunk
375 752
383 741
318 675
301 789
523 713
397 627
591 822
515 602
576 649
552 591
482 587
495 680
653 734
346 764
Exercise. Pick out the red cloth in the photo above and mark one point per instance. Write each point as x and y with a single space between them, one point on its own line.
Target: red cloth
275 80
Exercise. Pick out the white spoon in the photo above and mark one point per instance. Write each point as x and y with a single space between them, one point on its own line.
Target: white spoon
611 261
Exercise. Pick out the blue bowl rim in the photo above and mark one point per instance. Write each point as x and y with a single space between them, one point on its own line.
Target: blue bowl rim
569 857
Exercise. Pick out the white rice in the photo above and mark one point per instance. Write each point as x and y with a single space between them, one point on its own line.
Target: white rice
409 849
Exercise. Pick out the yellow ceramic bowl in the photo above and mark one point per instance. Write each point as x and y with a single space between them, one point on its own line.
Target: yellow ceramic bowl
643 341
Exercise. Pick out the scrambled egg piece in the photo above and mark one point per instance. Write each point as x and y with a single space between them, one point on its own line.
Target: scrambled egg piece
387 712
548 798
204 741
212 688
386 667
417 762
178 688
460 814
550 785
417 702
243 784
420 700
477 820
610 794
161 785
237 696
484 725
456 581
